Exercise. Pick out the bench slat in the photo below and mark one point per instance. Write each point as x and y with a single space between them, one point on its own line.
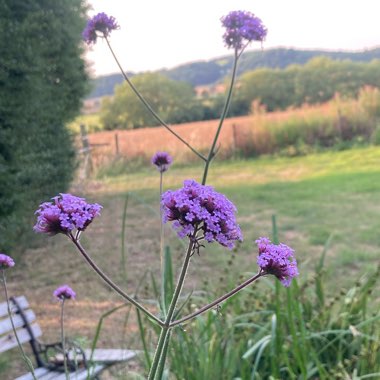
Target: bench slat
45 374
6 325
109 355
9 341
21 301
39 372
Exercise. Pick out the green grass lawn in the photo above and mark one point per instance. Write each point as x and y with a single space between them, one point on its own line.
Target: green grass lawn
313 197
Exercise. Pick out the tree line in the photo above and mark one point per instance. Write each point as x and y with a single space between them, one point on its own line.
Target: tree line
214 70
274 89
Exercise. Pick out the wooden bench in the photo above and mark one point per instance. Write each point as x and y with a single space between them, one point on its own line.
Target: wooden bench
49 366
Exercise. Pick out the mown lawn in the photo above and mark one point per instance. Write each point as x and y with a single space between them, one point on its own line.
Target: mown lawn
333 194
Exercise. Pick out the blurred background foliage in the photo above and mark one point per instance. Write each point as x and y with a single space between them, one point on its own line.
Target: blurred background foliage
275 89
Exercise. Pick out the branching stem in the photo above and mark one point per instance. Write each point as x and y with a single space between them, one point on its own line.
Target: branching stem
111 283
218 300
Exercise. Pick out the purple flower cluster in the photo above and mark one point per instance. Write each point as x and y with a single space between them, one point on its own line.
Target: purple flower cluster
277 260
99 23
64 214
241 28
162 161
64 292
6 261
200 206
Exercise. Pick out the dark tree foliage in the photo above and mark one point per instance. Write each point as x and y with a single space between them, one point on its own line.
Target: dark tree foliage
42 81
173 100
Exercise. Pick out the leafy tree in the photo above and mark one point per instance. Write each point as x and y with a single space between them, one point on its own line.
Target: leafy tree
42 81
273 87
174 101
316 82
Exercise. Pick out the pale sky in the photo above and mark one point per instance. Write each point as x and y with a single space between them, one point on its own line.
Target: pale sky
157 34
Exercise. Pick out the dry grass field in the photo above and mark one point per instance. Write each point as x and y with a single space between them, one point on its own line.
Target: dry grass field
243 134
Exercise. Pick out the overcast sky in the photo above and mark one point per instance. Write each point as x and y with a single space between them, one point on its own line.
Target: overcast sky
166 33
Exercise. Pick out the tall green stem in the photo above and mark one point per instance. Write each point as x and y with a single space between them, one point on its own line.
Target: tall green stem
25 358
148 106
162 246
166 327
161 365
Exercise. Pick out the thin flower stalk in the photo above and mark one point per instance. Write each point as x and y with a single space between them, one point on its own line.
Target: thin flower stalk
64 293
161 365
218 301
162 244
27 361
227 103
63 340
111 283
165 328
148 106
162 161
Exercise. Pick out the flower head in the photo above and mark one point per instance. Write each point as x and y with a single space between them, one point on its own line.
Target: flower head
277 260
100 23
200 206
242 28
162 161
64 214
64 292
6 261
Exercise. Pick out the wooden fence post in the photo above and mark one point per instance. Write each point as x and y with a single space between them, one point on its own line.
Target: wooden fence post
86 150
234 139
117 151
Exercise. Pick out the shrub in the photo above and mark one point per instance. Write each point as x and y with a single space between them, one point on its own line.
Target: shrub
42 80
299 131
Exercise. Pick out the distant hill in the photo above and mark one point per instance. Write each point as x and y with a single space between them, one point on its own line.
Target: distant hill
209 72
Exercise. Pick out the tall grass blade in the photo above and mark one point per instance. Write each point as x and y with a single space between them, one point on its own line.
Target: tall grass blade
142 332
319 274
123 250
98 330
252 350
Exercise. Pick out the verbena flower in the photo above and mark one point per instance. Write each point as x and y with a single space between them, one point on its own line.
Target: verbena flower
65 213
99 24
162 161
6 261
278 260
197 205
64 292
241 28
